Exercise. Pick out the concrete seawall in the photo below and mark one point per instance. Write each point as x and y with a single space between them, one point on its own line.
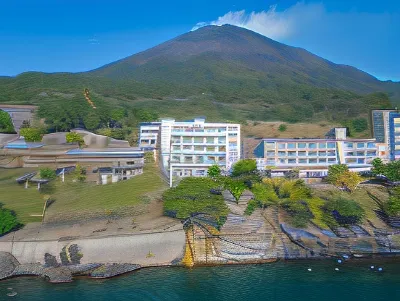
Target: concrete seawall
161 248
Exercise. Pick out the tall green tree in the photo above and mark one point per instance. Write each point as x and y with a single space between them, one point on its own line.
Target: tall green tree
244 166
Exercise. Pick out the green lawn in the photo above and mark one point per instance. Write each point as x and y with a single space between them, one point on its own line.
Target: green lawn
14 196
79 198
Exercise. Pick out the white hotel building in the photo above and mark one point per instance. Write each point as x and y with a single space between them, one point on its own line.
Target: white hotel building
189 148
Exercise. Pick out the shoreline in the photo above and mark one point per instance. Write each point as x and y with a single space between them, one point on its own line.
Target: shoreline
385 258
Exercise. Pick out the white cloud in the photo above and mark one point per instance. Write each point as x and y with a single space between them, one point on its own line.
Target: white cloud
272 23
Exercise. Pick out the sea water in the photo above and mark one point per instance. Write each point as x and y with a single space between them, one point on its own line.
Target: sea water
285 280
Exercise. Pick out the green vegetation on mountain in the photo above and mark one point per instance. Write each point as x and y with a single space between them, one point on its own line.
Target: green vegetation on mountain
225 73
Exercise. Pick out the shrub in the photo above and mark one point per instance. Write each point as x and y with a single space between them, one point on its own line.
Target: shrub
32 134
251 206
73 137
244 166
392 206
282 128
345 211
79 173
8 221
47 173
214 171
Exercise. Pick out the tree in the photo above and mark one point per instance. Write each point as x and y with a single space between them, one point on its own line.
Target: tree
118 114
32 134
73 137
214 171
348 180
378 168
6 125
91 121
47 173
265 195
236 188
345 211
8 220
360 124
244 166
390 170
335 171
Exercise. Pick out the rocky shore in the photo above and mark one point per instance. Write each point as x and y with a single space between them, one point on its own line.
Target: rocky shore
10 267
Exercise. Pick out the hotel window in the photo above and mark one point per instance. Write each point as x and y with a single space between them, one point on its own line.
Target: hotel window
331 153
269 145
312 145
292 161
210 148
176 158
199 148
176 148
187 140
210 139
222 149
360 145
301 145
312 161
198 140
361 161
371 153
271 153
371 145
188 159
360 154
292 154
187 148
281 145
282 161
291 145
331 145
322 153
322 160
302 154
349 145
331 160
270 162
312 153
349 153
351 160
322 145
302 161
281 154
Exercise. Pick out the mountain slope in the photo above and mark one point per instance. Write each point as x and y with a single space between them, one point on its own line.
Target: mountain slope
201 57
225 73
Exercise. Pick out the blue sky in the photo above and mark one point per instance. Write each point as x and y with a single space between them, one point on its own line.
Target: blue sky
73 36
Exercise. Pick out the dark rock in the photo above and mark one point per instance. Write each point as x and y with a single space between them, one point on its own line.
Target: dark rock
74 254
50 260
64 256
8 263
